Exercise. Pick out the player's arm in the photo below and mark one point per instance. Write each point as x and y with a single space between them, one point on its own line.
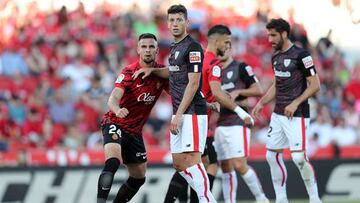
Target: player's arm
308 69
113 103
160 72
267 98
190 90
189 93
225 101
254 90
313 88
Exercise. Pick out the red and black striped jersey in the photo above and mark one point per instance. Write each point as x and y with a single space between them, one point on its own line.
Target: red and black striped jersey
139 97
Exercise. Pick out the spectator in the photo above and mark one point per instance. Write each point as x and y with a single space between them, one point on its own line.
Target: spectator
11 63
61 110
17 110
80 73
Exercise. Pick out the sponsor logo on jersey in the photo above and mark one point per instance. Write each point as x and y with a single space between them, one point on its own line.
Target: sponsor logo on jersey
282 74
146 98
287 62
227 86
249 70
216 71
120 78
195 57
176 54
174 68
308 62
229 74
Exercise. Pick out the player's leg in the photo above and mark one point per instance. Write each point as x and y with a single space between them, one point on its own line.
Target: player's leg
136 179
112 149
177 189
296 132
229 179
249 176
186 148
239 162
209 159
274 156
134 157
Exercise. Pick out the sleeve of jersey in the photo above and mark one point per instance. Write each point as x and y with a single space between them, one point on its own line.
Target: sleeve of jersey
306 64
194 57
247 75
124 80
215 73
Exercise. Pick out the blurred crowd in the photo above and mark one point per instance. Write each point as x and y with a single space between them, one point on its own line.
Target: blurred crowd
58 68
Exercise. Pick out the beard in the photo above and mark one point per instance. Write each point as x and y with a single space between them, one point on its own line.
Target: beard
279 45
148 60
220 52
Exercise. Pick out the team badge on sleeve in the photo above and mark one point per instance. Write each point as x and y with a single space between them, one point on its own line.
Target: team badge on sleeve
308 62
249 70
216 71
195 57
120 78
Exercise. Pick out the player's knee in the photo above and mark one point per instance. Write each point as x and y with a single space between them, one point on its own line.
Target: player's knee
240 165
106 179
112 165
271 157
135 183
298 158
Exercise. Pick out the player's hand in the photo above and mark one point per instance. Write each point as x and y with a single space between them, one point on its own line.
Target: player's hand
145 71
122 113
249 121
257 109
234 94
290 110
175 124
215 106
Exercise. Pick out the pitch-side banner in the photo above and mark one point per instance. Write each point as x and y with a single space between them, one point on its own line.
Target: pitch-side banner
337 179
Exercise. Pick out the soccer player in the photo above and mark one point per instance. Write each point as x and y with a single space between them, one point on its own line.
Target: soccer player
295 81
130 104
232 137
189 123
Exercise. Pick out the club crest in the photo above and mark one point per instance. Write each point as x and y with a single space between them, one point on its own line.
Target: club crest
287 62
229 74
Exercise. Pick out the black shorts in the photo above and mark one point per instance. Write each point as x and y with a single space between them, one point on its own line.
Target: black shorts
210 150
132 146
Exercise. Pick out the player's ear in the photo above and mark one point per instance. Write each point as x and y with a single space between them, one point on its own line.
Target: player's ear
138 49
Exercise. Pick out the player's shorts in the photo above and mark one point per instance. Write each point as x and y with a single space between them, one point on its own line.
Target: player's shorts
210 150
232 142
285 133
192 135
132 146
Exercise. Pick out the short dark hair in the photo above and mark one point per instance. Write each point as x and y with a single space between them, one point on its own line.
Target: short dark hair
147 36
280 25
177 8
219 29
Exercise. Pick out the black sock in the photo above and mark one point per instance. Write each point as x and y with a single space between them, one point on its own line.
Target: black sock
129 189
177 189
211 180
193 196
106 178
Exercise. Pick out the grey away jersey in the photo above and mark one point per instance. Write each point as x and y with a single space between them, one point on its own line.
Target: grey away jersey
291 69
186 57
237 75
